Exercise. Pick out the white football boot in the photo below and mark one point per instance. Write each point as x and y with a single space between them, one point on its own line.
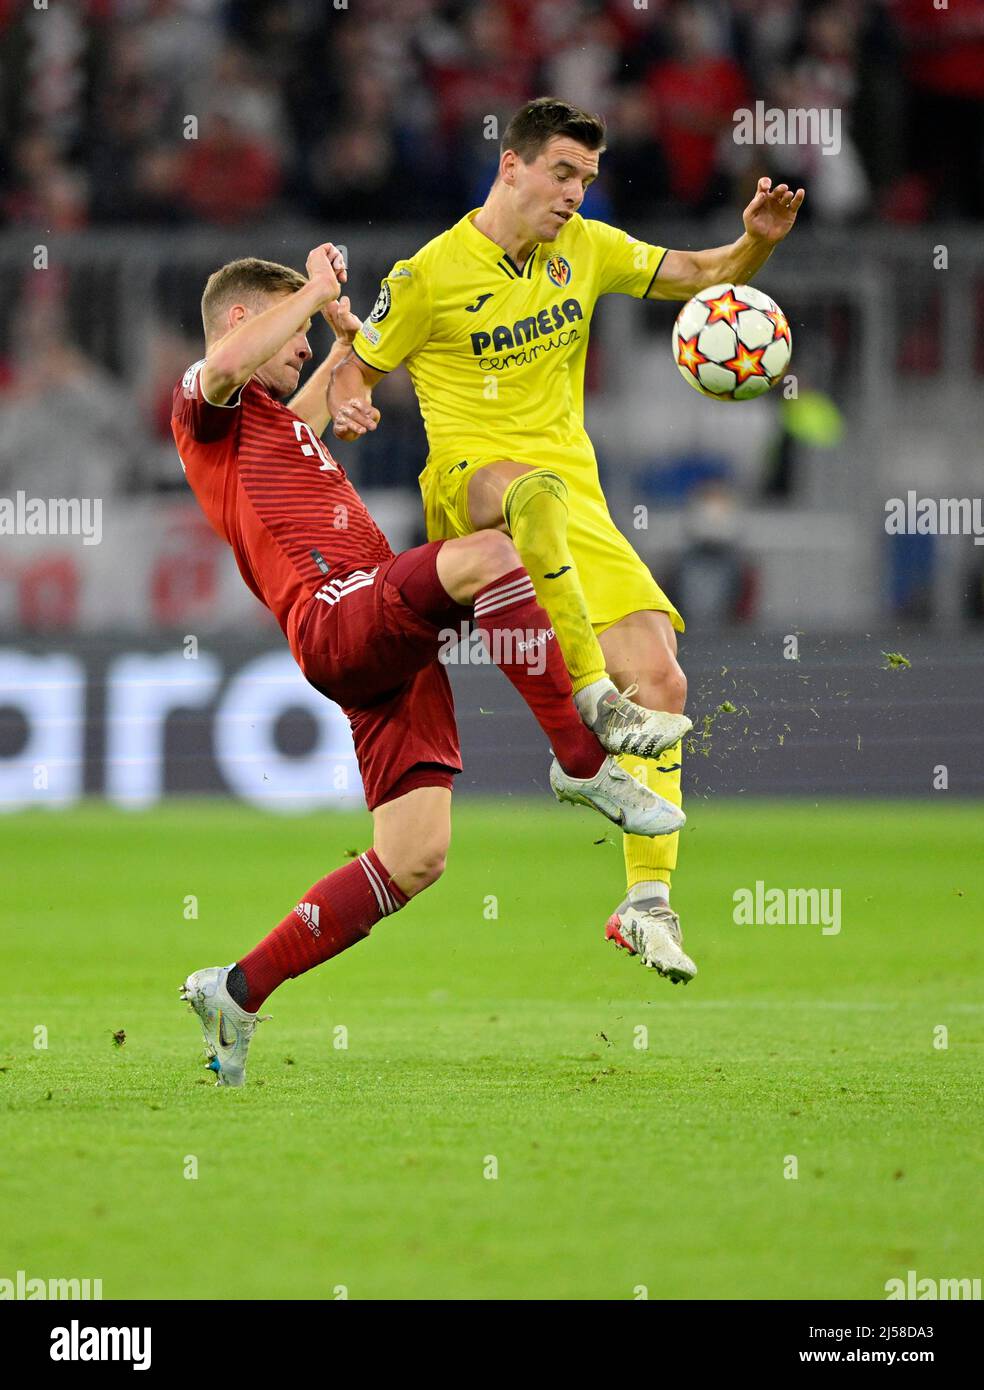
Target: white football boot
228 1029
654 935
620 797
621 726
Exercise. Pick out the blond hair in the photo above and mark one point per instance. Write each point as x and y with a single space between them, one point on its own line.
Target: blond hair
244 281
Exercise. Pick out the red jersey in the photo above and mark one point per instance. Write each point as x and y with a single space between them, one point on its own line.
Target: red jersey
271 489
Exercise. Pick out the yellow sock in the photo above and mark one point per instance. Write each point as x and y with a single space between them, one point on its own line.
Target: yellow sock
653 857
535 508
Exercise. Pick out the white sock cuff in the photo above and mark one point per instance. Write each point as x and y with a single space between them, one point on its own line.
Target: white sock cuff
588 697
505 596
387 903
647 890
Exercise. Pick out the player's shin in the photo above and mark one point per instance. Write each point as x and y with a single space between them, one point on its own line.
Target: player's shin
522 643
652 861
336 913
534 506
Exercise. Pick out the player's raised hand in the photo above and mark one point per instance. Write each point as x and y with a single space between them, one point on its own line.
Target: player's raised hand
354 418
326 264
771 213
344 324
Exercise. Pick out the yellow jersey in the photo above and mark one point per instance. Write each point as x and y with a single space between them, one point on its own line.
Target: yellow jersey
496 354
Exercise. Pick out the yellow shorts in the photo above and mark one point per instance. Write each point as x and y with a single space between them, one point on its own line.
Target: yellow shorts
614 579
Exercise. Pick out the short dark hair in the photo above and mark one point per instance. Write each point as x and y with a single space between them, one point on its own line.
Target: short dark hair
535 123
249 279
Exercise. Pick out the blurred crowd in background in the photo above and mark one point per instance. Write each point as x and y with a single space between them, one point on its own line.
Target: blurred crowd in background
361 109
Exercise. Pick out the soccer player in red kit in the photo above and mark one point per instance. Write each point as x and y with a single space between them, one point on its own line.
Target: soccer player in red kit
364 625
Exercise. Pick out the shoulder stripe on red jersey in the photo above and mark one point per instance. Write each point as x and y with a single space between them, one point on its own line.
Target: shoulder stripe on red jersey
190 384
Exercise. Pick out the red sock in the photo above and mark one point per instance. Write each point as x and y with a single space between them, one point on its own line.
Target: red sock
336 913
510 617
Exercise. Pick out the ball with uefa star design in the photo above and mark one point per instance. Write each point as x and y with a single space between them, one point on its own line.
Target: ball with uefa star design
732 342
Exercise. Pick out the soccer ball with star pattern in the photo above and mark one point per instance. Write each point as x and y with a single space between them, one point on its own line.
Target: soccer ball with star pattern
731 342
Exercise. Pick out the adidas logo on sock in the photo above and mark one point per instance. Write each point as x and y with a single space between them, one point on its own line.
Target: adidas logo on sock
310 914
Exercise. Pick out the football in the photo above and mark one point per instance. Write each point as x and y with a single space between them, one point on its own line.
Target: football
731 342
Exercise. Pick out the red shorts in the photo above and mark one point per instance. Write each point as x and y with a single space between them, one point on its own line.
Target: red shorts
363 646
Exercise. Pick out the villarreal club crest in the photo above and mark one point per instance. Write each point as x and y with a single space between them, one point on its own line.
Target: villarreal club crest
559 271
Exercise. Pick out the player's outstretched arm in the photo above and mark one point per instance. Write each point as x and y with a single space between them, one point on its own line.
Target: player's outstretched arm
312 404
350 396
234 358
768 218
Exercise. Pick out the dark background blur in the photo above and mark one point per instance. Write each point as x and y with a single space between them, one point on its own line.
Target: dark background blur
373 112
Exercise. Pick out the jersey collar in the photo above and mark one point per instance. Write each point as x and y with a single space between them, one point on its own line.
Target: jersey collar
492 253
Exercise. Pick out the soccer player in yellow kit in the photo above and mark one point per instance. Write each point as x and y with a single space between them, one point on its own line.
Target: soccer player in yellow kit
491 319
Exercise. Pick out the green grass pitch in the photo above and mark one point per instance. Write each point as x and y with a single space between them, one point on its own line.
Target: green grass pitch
474 1037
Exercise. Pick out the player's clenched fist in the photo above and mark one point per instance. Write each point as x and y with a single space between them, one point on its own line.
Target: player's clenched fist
354 418
326 264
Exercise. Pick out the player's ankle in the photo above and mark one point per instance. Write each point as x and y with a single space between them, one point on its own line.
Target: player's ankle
238 989
589 696
579 757
649 892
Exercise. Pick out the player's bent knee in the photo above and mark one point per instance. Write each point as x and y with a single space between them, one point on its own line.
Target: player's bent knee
423 870
417 858
665 689
532 487
676 691
432 867
495 555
